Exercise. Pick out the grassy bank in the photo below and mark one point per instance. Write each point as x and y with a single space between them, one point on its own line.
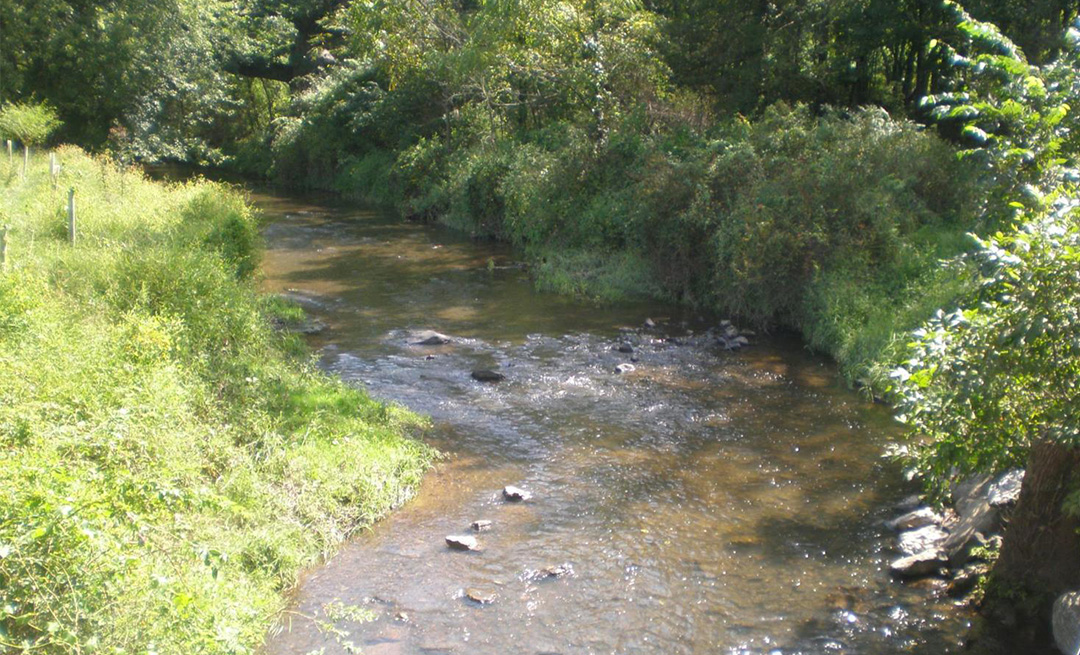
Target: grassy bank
168 462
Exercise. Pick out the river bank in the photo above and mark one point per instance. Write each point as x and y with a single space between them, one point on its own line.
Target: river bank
169 461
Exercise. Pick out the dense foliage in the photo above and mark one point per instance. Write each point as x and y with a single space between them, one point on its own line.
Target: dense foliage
987 380
168 461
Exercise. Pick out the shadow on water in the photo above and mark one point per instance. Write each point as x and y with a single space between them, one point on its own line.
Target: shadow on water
708 502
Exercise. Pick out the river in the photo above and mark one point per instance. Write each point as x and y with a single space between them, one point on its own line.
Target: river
708 502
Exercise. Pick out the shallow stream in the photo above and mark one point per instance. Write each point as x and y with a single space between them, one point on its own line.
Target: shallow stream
708 502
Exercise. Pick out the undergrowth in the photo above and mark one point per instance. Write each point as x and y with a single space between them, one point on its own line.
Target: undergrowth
168 461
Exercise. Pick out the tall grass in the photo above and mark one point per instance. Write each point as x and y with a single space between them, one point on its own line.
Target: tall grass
166 466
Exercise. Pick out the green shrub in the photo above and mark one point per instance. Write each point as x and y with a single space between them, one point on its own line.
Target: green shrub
29 124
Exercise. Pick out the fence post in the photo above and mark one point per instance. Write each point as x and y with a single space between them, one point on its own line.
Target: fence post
3 247
54 170
25 159
71 215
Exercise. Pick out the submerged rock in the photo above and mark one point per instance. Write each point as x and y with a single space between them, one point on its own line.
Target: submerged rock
429 338
515 494
625 368
625 347
730 343
481 525
649 324
462 542
548 572
486 375
557 570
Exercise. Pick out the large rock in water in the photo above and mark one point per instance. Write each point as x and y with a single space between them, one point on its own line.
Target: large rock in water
928 538
919 564
429 338
463 542
513 493
486 375
1067 623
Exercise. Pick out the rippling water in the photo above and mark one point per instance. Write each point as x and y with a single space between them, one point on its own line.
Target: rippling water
708 502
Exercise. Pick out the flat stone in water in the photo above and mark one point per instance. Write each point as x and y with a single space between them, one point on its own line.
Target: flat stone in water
481 525
919 564
514 493
481 596
463 542
625 368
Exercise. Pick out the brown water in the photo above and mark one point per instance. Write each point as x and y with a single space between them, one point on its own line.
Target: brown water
710 502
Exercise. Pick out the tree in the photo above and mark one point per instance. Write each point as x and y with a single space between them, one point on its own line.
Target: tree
28 124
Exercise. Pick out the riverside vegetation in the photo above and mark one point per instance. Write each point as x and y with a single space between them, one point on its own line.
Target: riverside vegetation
168 461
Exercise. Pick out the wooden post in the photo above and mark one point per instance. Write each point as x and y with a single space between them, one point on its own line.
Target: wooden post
25 159
3 247
71 215
54 170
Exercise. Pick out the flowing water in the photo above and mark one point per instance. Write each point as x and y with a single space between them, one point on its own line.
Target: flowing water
708 502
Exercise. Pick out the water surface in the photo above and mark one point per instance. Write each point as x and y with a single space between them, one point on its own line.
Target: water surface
708 502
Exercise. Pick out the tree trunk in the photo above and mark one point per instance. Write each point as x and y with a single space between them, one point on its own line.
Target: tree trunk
1040 555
